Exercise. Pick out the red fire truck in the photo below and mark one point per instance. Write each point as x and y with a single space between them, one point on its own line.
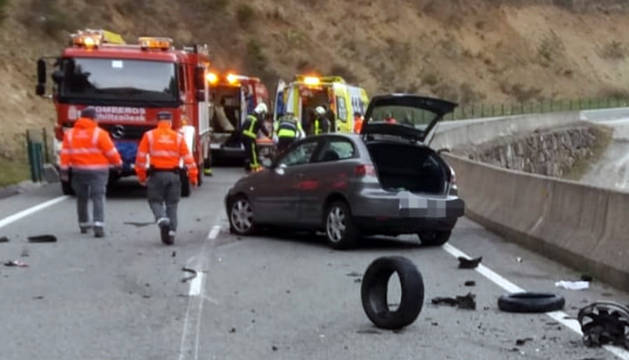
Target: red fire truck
128 85
233 98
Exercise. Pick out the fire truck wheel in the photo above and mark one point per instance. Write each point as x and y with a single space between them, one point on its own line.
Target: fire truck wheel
66 188
185 184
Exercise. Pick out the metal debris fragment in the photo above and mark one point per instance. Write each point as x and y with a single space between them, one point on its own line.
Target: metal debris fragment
465 263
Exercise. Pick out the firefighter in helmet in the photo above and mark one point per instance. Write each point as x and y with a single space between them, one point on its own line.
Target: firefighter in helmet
249 131
287 130
320 124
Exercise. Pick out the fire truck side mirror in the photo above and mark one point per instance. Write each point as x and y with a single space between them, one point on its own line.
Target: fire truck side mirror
40 89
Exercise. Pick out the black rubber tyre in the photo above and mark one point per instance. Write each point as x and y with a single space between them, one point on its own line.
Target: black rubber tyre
374 292
340 231
185 184
240 214
531 302
434 238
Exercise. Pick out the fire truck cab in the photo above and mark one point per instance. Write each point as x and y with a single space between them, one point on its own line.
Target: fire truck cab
128 85
233 97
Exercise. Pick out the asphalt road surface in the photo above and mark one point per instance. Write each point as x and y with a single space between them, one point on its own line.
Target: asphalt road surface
281 296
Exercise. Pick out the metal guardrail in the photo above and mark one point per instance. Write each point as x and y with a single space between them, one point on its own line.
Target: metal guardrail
38 154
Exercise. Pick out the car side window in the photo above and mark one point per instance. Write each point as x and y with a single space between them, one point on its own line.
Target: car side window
337 149
300 155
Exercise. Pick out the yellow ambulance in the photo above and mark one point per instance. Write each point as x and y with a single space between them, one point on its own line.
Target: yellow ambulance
301 96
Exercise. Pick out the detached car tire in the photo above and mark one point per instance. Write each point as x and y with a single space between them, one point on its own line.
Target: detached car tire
434 238
374 292
240 215
340 231
531 302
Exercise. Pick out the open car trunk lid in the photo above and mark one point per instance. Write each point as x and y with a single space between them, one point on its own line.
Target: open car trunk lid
410 117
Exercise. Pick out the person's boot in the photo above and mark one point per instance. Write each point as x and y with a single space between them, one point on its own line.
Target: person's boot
99 231
164 229
84 229
171 237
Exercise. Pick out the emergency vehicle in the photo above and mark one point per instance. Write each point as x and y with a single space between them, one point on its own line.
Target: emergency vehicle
233 97
301 96
128 85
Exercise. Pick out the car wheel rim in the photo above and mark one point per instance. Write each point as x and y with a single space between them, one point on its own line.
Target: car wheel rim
242 216
336 225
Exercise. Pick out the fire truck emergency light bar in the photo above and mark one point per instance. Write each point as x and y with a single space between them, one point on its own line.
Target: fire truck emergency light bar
162 43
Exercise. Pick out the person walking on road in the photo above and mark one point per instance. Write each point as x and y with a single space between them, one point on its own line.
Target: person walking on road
249 131
165 148
86 156
287 130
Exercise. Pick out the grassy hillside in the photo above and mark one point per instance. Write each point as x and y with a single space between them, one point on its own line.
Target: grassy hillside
489 51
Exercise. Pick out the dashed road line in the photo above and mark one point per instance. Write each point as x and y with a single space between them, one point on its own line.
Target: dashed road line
24 213
559 316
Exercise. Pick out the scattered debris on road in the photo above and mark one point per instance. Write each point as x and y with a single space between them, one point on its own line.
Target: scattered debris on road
470 283
174 254
42 238
353 274
466 302
604 323
518 259
368 331
274 348
4 239
232 330
573 285
358 280
520 342
465 263
40 297
434 323
139 224
192 271
15 263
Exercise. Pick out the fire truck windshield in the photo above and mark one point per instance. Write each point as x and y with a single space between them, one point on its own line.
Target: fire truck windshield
118 80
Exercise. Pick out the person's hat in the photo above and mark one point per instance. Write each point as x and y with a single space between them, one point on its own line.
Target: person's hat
89 112
164 115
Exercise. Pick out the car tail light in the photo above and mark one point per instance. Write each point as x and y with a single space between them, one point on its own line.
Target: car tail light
365 170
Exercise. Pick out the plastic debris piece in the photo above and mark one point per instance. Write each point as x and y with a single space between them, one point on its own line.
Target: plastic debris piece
4 239
573 285
469 263
520 342
470 283
603 323
16 263
42 239
466 302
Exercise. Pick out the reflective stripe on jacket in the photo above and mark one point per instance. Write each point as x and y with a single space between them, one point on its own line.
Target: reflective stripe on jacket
250 129
88 147
165 148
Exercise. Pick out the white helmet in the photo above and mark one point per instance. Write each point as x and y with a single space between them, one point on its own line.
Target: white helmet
261 108
320 110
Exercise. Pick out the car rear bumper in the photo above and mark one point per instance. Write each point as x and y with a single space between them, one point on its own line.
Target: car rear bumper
405 212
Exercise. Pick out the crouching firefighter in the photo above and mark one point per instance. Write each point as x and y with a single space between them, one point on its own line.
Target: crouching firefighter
165 148
287 131
249 131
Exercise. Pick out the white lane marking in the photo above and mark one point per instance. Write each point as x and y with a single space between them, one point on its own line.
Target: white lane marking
24 213
510 287
196 297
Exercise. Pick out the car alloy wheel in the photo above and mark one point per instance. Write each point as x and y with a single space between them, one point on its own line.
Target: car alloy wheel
339 228
241 216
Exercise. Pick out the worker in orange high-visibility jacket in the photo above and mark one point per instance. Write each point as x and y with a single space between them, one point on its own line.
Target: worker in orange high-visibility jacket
165 148
86 156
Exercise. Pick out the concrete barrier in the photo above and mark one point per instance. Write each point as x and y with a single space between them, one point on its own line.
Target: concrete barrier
584 227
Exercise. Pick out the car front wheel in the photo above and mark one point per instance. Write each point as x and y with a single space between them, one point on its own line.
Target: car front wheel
241 216
434 238
339 228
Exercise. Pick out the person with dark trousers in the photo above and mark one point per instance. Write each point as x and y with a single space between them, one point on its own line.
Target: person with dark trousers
249 133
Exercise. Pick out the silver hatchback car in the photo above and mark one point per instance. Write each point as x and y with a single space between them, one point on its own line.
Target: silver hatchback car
384 181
